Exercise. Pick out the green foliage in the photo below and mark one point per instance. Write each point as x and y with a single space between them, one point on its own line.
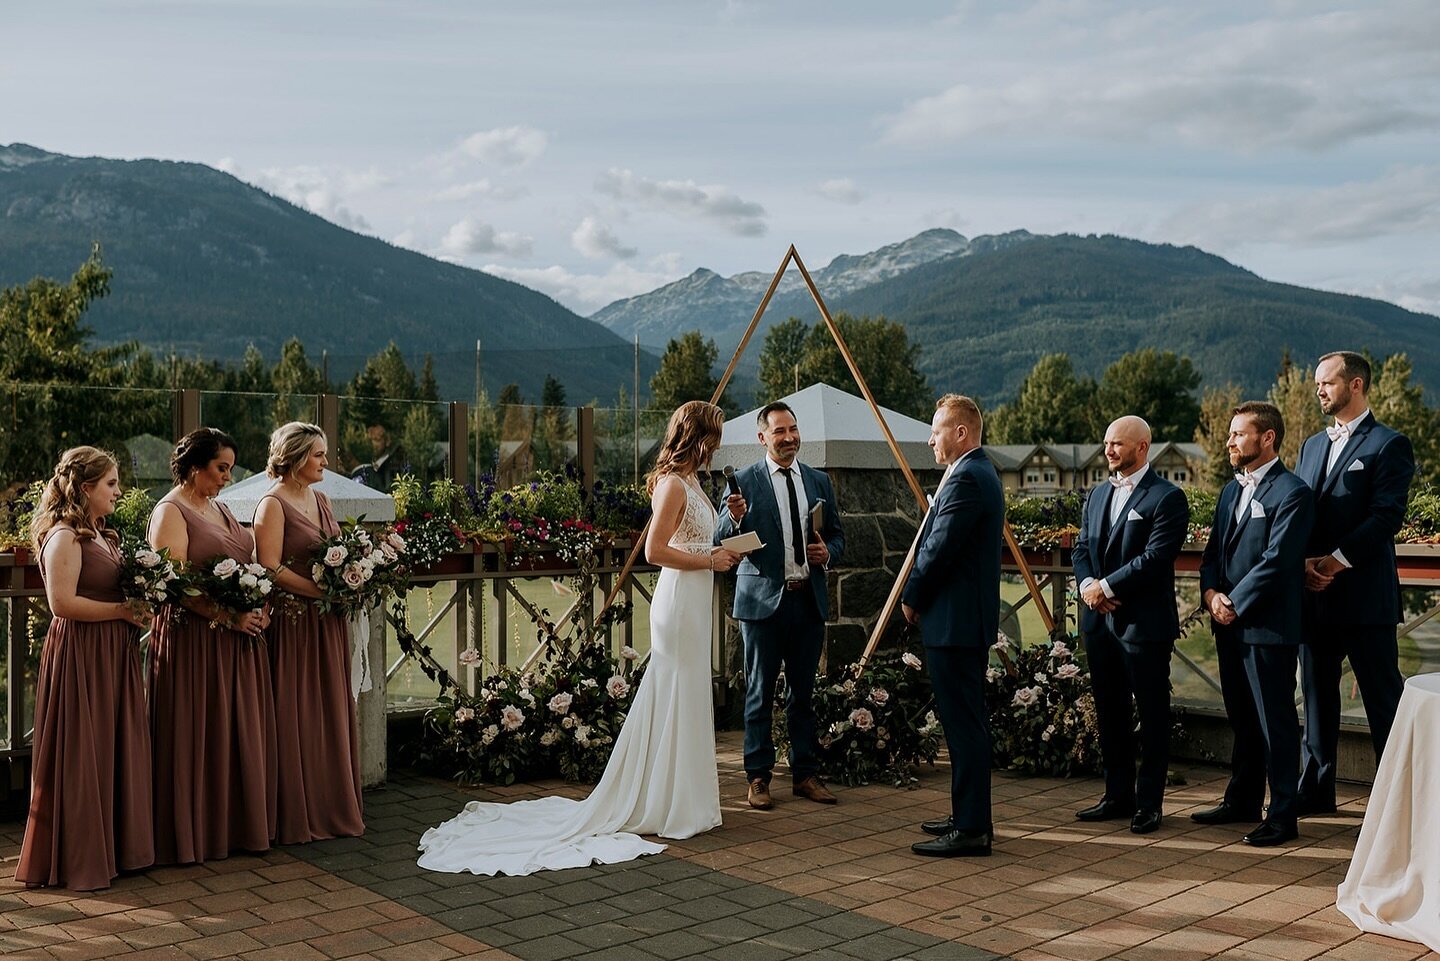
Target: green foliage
685 373
1400 404
1202 513
1045 522
780 359
1422 516
1213 434
1155 385
882 350
1294 393
1042 712
1053 407
132 513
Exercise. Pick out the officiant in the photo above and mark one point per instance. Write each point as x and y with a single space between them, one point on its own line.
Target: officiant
781 599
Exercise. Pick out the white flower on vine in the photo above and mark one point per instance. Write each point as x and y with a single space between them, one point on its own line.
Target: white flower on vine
1026 697
512 718
560 703
617 687
862 719
910 660
1068 670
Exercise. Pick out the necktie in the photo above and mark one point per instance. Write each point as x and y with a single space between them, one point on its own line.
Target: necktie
1340 432
797 535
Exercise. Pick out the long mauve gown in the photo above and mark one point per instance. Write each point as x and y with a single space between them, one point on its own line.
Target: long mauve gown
316 734
213 720
90 786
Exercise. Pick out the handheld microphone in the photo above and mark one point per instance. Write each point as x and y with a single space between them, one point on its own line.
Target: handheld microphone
730 484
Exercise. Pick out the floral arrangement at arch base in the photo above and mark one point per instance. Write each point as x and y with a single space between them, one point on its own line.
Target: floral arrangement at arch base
1042 710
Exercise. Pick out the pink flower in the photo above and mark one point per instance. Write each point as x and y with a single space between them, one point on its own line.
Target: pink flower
862 719
629 653
463 714
1026 697
1068 670
1059 649
878 696
469 657
336 555
560 703
353 577
512 718
617 687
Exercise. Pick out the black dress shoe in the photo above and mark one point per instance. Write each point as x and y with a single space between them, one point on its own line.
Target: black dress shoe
1145 822
939 828
1225 813
1105 810
1271 833
956 844
1311 807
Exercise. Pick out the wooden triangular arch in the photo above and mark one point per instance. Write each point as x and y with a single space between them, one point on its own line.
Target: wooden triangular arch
792 256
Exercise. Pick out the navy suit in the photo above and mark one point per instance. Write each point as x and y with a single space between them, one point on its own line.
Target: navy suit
1259 563
780 625
955 588
1128 649
1359 507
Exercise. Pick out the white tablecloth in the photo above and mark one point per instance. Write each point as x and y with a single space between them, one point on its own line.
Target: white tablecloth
1393 885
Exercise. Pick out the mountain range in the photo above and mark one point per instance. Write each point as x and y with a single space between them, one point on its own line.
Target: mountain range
206 264
984 310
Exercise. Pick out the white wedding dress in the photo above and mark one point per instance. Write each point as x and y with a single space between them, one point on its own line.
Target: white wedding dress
661 778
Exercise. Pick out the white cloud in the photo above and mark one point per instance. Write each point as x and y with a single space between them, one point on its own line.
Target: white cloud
470 235
586 293
596 241
687 199
325 192
1406 200
1307 80
842 190
477 188
505 146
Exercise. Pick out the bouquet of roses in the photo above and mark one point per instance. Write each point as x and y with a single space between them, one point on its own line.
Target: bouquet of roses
355 567
229 584
147 577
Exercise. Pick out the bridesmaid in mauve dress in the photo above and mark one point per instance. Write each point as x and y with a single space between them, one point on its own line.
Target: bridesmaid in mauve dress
317 740
90 783
211 709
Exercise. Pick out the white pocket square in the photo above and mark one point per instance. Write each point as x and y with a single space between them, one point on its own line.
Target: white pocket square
1134 515
1355 465
1257 509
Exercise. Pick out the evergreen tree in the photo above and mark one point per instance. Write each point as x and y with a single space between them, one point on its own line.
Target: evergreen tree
1158 386
1053 407
429 387
1213 436
1398 403
885 356
1294 393
296 381
780 358
685 373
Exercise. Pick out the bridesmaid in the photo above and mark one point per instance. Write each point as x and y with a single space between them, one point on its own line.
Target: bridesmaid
211 712
317 740
90 787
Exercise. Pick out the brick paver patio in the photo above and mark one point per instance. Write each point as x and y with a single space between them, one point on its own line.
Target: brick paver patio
800 881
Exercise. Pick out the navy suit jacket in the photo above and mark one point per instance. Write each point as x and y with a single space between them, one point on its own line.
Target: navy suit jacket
1136 557
1260 562
1359 507
760 577
955 583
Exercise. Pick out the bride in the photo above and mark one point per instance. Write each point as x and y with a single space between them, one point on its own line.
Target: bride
661 778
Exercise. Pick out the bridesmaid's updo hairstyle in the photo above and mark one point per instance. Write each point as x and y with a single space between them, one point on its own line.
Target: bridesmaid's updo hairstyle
290 445
196 450
64 500
692 436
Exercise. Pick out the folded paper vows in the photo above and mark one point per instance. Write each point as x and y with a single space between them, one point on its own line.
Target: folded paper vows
742 543
817 515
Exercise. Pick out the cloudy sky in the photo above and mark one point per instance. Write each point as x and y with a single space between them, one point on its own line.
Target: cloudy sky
595 150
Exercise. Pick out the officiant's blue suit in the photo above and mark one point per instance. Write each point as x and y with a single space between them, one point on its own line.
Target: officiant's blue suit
1259 563
955 588
780 625
1128 649
1359 507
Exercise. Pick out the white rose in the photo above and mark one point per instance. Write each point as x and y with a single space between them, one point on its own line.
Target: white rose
629 653
582 735
1068 670
1059 649
488 736
549 737
526 696
139 579
1026 697
352 577
335 556
589 682
992 674
568 722
560 703
910 660
879 696
469 657
617 687
463 714
248 580
395 540
264 586
317 571
147 558
862 719
226 567
257 569
512 718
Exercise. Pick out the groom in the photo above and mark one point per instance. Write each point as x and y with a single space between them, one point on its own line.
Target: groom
781 600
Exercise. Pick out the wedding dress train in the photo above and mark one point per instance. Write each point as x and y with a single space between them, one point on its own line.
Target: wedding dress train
660 780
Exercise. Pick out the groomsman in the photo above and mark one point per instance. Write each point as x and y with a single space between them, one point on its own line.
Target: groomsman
953 594
1131 532
1360 471
1252 580
780 599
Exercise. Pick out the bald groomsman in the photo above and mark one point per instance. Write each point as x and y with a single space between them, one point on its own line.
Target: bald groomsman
1131 532
1252 581
1360 471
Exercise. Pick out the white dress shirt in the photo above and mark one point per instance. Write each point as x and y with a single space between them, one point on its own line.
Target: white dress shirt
1119 497
1247 492
793 571
1336 447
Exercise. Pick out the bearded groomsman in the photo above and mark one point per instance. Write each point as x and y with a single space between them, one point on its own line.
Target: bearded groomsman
1360 471
1131 532
1252 581
953 595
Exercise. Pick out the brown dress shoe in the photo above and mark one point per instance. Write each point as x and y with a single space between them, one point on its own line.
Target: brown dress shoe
812 788
759 796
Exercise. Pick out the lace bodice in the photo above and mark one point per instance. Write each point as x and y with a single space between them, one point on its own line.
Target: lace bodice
697 528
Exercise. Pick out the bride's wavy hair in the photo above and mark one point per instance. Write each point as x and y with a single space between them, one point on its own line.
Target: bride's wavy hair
691 437
64 500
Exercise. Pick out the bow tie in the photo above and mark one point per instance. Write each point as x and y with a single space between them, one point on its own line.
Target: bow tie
1340 432
1122 483
1247 479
